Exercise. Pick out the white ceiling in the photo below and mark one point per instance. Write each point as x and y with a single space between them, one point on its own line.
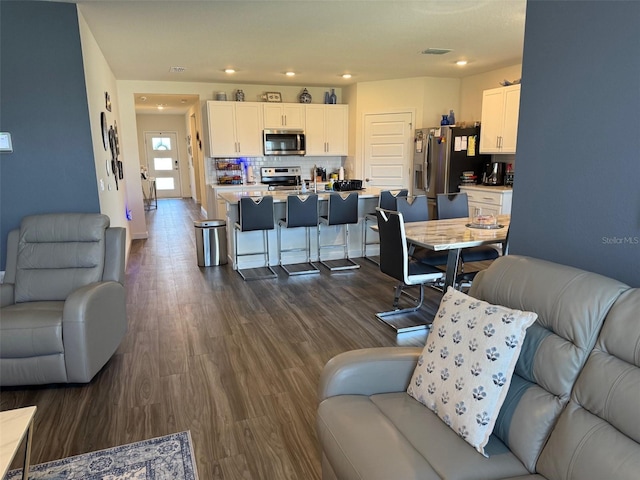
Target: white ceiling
318 39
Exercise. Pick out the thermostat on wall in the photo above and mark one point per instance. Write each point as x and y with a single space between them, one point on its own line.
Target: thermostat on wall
5 142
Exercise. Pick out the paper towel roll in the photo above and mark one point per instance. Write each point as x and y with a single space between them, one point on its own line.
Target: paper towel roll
341 173
250 178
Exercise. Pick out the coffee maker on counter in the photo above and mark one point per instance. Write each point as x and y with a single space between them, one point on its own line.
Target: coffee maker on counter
494 174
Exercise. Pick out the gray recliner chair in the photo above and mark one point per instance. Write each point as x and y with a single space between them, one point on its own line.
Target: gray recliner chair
62 312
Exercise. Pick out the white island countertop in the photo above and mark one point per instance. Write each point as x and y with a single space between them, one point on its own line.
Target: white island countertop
280 196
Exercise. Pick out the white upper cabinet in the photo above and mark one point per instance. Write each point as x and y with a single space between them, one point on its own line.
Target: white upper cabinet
249 129
284 115
499 129
327 130
234 129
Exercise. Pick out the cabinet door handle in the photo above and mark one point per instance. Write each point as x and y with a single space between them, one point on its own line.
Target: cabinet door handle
285 120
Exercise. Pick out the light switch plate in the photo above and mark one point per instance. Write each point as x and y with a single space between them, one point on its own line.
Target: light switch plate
5 142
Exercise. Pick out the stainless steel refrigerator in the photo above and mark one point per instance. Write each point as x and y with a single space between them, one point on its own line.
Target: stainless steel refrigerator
443 158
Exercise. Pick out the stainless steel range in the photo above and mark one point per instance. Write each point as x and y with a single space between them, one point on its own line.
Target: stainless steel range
281 178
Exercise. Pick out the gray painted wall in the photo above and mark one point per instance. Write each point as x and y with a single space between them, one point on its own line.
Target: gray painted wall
577 192
43 104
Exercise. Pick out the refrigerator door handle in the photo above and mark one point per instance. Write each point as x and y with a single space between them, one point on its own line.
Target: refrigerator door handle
426 172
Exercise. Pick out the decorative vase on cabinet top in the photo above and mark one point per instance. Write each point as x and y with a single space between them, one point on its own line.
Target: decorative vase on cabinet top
451 118
332 98
445 120
327 99
305 96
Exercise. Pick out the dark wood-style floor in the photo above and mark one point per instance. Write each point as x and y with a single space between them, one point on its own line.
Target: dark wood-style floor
236 363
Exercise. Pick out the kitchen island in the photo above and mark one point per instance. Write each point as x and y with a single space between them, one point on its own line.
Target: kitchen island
252 241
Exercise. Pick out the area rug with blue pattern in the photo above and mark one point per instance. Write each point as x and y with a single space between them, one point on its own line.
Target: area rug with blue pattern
163 458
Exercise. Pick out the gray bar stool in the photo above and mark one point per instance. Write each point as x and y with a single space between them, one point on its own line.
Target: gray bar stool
301 212
340 211
386 201
255 214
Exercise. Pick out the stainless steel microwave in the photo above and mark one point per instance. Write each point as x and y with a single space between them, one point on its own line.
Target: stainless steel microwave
284 142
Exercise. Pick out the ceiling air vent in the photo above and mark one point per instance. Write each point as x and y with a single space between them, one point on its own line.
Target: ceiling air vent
177 69
435 51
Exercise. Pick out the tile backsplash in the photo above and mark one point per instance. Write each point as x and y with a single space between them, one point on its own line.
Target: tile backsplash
332 164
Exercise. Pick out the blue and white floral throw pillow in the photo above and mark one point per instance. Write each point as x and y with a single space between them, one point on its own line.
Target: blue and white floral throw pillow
466 366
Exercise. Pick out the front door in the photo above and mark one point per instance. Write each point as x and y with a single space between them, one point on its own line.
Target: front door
162 162
388 145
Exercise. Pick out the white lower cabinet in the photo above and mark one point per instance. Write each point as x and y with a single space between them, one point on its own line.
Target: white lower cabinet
492 200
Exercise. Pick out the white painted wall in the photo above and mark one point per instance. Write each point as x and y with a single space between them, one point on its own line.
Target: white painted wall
99 79
428 97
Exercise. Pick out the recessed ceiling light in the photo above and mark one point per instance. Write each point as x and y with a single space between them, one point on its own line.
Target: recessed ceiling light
143 99
161 106
290 74
177 69
346 75
461 62
229 70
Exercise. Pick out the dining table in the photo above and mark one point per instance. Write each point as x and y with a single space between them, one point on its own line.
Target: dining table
453 235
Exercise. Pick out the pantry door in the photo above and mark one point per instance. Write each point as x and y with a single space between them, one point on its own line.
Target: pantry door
388 141
162 162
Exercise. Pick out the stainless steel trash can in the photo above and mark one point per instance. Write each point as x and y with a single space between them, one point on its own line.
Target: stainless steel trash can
211 242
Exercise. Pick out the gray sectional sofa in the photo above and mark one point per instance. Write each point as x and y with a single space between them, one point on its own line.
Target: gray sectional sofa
572 410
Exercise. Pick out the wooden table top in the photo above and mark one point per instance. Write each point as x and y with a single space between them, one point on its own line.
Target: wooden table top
453 233
13 425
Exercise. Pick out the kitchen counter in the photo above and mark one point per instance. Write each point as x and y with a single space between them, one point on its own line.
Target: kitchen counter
252 241
280 196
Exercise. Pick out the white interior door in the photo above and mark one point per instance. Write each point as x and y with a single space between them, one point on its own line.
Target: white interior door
388 139
162 162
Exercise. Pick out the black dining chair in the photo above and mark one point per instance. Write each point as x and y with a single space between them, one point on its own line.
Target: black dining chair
416 209
457 206
387 201
395 262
